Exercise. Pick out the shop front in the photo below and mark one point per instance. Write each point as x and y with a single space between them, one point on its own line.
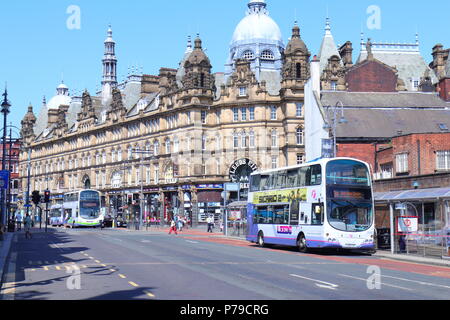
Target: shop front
209 202
418 221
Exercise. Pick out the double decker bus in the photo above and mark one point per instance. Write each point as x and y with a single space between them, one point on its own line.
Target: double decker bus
82 209
326 203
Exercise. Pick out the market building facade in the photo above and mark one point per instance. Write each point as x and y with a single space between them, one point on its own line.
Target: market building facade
170 142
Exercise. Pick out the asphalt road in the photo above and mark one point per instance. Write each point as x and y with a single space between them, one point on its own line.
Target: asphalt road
92 264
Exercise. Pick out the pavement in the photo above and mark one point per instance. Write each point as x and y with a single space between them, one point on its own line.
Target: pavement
5 246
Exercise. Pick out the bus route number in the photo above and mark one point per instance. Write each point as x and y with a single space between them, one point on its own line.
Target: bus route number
246 309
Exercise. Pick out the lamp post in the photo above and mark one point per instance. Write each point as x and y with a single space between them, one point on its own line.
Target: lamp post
5 110
339 106
141 202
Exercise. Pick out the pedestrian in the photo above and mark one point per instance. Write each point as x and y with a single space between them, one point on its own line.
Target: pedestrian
173 227
27 225
210 222
19 220
180 224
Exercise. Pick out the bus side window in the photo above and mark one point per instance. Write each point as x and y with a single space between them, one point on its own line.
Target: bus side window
294 213
317 214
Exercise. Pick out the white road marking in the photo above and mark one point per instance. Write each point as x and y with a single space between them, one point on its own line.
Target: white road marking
320 284
383 284
191 241
419 282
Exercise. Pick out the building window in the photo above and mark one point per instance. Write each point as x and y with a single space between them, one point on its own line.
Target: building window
386 171
267 55
252 113
156 174
242 91
244 114
203 116
443 160
218 117
252 139
156 148
168 146
298 70
248 55
274 138
274 162
244 139
402 163
299 109
300 159
203 142
235 140
333 85
176 145
300 136
273 113
235 114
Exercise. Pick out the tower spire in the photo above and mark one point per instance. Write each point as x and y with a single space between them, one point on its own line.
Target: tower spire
109 80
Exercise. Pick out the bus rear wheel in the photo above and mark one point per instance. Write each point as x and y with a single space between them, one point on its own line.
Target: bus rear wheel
301 244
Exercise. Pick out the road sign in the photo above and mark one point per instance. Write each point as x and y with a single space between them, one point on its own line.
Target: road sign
232 187
4 179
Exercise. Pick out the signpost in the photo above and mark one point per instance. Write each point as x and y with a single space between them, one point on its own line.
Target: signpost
4 183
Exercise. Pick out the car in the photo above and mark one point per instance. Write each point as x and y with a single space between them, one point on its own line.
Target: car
121 222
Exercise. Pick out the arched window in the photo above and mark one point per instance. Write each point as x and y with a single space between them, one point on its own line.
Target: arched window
168 145
267 55
248 55
156 148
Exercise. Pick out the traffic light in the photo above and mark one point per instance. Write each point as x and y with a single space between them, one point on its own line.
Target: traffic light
46 196
36 197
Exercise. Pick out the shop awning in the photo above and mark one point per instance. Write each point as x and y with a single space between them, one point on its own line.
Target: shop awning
412 195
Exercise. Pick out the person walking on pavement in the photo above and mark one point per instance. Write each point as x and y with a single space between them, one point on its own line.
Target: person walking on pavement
27 225
210 222
19 220
173 227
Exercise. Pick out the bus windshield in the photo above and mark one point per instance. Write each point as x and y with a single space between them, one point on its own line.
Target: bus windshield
350 216
347 172
89 205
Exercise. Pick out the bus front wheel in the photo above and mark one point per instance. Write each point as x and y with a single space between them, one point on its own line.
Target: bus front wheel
301 244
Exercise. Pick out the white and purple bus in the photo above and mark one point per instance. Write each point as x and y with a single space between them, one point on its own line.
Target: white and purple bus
82 209
327 203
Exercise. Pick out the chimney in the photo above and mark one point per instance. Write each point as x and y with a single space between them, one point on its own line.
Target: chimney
346 53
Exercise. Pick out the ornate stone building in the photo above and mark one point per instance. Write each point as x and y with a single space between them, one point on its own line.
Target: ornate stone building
177 137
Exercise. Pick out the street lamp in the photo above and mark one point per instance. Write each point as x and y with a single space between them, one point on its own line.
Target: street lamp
5 110
342 120
141 207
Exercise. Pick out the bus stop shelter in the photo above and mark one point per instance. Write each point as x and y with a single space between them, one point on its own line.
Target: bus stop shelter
237 219
419 220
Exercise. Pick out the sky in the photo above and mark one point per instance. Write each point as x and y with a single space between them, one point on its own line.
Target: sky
45 41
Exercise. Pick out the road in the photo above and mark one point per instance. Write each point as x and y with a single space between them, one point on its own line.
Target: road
93 264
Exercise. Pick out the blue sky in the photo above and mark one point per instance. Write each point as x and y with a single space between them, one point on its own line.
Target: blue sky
38 47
